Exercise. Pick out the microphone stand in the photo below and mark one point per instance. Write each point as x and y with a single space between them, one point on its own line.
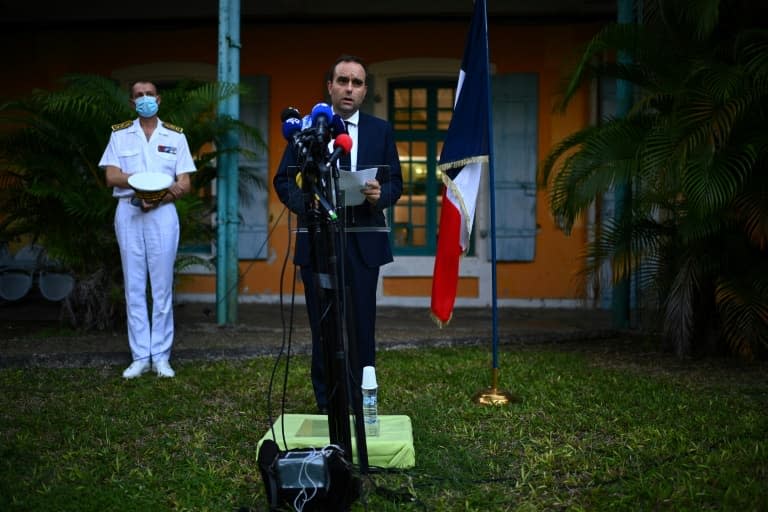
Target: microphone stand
327 251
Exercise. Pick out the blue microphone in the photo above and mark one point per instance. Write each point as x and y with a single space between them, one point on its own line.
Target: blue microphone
291 127
321 118
292 133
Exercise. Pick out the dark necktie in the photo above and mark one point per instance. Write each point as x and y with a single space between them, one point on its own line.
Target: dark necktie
346 159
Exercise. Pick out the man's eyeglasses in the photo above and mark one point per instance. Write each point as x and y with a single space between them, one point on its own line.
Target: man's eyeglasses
344 80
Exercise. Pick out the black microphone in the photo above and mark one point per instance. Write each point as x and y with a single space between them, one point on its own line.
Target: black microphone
289 113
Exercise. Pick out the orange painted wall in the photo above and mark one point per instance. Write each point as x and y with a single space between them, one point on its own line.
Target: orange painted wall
422 287
554 272
296 58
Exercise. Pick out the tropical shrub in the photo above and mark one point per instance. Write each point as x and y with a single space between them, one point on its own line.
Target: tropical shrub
52 192
692 153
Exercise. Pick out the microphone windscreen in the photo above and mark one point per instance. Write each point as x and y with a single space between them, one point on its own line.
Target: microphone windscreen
320 111
289 113
343 141
338 126
291 126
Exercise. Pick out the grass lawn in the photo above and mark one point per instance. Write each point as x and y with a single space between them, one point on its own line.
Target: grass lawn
599 426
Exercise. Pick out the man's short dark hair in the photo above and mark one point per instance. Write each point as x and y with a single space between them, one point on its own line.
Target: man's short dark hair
142 81
346 58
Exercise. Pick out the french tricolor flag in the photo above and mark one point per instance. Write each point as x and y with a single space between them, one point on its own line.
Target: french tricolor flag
465 153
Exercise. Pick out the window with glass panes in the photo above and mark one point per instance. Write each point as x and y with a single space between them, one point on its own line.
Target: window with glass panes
420 112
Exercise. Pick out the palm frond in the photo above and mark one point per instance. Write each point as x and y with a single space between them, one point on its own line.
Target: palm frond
612 37
712 180
744 312
600 158
750 210
695 17
680 306
751 52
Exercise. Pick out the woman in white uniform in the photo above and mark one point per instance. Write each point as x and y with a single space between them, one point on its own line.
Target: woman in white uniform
148 233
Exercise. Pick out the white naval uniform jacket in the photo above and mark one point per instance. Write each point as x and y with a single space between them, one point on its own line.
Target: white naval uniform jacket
166 151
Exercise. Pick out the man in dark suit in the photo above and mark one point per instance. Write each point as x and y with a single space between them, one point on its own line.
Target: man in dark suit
366 244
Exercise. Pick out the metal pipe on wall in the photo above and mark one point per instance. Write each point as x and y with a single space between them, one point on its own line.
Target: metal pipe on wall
227 168
623 192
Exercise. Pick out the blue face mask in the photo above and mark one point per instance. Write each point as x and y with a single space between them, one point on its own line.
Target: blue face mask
146 106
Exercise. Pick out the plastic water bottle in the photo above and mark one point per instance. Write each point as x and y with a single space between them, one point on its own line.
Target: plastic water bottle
370 402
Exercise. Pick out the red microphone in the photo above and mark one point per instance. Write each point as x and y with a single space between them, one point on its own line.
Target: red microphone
342 145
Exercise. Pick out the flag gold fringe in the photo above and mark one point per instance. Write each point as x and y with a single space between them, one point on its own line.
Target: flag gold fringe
461 163
439 322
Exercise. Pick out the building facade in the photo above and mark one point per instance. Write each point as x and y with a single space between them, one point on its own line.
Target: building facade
413 62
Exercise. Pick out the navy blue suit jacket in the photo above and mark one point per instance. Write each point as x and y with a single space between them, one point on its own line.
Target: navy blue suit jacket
376 147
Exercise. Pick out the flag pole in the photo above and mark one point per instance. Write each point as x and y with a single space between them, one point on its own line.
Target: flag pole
492 395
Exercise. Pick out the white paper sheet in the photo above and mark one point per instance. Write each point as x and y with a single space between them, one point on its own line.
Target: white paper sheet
352 183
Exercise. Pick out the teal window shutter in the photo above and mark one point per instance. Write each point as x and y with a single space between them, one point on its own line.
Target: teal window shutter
515 139
253 208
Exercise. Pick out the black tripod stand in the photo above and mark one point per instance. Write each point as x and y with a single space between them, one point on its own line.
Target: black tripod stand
327 249
325 228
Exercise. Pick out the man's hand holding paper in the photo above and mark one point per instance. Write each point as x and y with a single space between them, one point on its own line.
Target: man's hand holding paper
360 186
372 191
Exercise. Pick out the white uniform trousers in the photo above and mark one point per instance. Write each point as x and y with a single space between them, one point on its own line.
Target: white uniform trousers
148 244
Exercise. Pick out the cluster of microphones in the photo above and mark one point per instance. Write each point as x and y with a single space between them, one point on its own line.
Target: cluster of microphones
310 137
311 134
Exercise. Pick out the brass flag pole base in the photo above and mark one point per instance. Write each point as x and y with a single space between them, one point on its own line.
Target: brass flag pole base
493 395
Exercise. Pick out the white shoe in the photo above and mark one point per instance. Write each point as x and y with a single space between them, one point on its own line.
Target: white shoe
163 369
136 369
